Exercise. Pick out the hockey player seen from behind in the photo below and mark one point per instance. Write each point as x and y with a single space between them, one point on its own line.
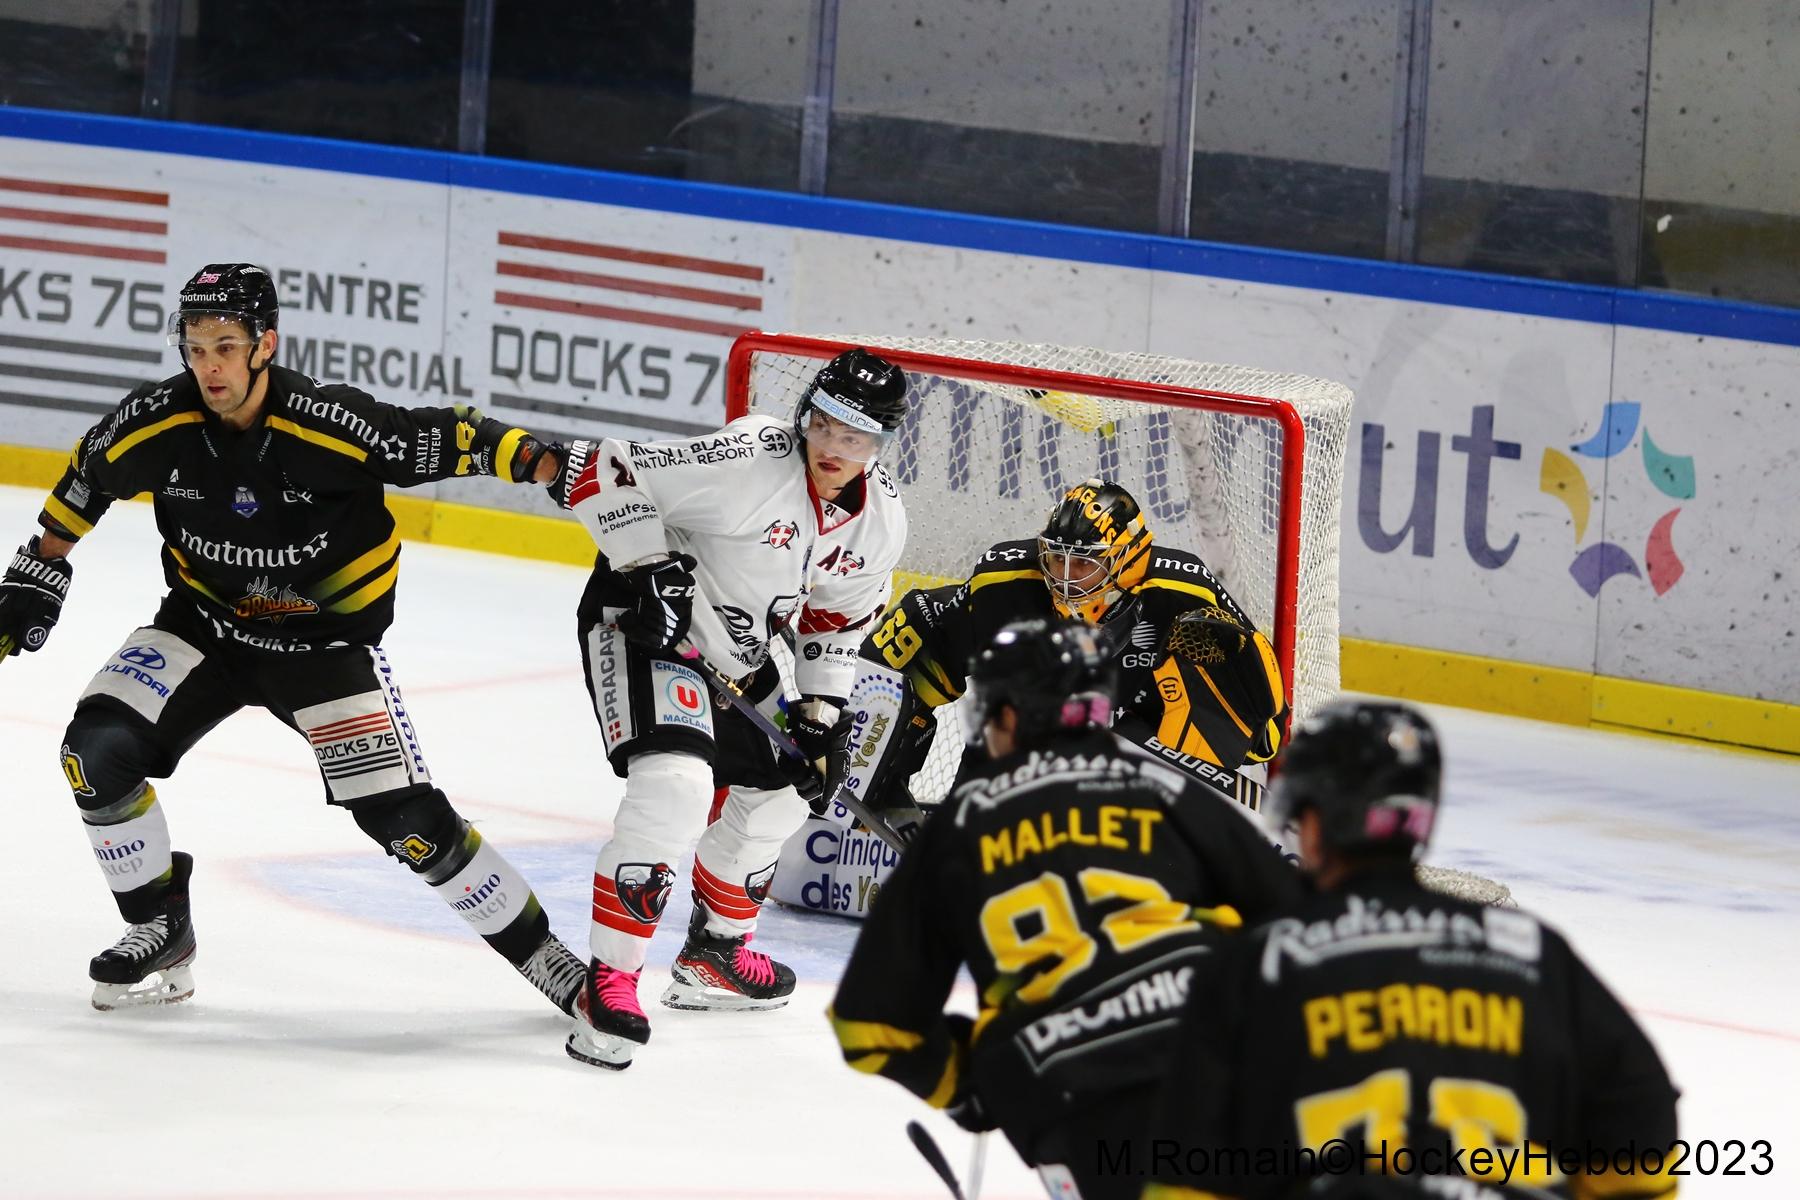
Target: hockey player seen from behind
713 546
281 561
1419 1030
1197 682
1083 882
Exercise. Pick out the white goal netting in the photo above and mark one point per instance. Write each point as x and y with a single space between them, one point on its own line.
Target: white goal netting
999 431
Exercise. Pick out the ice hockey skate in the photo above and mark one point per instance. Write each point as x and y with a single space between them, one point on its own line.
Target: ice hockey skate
723 973
609 1022
554 970
153 962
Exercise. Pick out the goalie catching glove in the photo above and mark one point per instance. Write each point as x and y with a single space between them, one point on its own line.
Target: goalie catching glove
31 598
661 603
1221 690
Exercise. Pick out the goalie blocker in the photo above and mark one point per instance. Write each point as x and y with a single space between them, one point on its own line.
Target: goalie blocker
1199 685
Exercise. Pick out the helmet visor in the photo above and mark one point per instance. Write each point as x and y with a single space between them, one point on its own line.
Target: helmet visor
836 436
203 334
1074 571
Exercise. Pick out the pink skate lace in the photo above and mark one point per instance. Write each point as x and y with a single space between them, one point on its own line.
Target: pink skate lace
753 966
618 990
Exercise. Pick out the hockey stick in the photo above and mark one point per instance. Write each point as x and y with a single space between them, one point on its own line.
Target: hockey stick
734 695
977 1166
928 1147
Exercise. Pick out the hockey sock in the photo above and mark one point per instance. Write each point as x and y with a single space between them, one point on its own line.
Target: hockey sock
489 893
131 844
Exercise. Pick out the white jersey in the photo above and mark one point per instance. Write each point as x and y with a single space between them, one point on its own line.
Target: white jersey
741 502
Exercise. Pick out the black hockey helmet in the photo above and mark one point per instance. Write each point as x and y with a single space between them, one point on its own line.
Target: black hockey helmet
1372 769
1053 673
1095 543
236 291
859 389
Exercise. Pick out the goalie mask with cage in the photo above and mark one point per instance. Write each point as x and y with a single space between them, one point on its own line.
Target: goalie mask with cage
1094 547
1372 770
1054 675
854 406
238 292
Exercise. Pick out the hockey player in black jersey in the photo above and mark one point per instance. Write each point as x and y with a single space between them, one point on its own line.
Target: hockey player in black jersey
1197 682
281 561
1083 882
1433 1036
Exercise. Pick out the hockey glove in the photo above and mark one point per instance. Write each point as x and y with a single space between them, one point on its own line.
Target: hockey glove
661 603
821 729
1221 689
965 1107
31 598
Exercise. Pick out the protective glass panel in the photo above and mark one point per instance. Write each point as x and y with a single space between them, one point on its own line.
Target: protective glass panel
1534 138
1048 110
1722 153
80 57
385 72
708 91
1293 124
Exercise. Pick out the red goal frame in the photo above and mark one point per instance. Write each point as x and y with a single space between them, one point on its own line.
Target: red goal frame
1293 439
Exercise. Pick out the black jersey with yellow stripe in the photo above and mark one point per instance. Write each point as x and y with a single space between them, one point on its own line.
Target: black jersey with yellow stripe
1067 880
1400 1020
279 532
1007 585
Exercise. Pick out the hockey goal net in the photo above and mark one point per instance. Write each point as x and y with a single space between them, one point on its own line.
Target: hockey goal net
1244 467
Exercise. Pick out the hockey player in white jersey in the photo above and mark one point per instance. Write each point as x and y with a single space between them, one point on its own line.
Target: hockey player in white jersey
714 545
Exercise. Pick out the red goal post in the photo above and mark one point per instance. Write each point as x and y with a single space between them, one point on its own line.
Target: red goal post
1239 465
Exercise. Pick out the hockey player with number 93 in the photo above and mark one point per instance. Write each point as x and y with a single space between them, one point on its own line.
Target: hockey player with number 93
712 547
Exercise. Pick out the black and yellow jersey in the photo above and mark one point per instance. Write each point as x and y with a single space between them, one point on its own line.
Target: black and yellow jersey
1392 1018
279 533
1066 880
1187 712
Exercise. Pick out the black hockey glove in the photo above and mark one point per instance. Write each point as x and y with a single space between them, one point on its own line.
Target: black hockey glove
821 728
965 1107
31 598
661 603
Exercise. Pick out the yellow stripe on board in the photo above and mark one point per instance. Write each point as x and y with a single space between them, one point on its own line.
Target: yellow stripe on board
1569 696
319 439
1434 676
149 431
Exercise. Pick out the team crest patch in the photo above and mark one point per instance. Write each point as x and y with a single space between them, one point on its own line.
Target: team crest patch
414 848
780 534
644 889
266 602
243 502
756 884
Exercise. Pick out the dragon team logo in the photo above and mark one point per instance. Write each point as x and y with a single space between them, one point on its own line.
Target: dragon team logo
266 602
644 889
756 884
780 534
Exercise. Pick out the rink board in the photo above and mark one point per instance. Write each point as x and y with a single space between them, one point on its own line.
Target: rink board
1577 483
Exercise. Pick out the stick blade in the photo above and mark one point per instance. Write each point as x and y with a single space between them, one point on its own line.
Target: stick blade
928 1149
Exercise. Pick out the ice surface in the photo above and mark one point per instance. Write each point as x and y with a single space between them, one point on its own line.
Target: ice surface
349 1037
